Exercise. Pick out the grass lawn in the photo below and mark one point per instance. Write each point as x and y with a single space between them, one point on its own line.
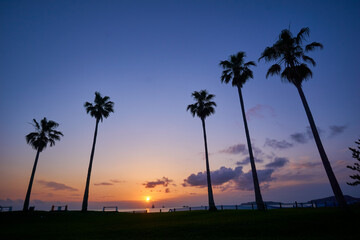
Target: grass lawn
321 223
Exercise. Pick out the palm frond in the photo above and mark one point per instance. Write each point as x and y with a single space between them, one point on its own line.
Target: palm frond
312 46
203 107
101 108
236 70
45 134
273 70
309 59
304 32
288 51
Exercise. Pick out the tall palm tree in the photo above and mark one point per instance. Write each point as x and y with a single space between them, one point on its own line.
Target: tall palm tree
238 72
204 107
101 108
289 51
44 134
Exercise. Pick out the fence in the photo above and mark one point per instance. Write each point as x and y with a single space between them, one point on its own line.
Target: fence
59 208
2 208
252 206
110 207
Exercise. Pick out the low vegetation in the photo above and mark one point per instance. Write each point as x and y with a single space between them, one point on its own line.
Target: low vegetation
321 223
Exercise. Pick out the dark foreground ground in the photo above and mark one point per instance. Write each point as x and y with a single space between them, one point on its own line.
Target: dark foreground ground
324 223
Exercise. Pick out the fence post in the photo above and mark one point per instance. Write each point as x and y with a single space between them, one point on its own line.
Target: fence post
222 208
252 206
190 209
280 206
236 207
160 209
103 209
296 204
205 207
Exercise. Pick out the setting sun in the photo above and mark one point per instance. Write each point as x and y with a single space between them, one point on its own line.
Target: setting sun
147 199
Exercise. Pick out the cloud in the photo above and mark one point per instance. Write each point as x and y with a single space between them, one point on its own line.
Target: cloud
161 182
236 149
230 179
304 137
103 184
56 186
218 177
310 134
245 181
273 143
259 111
306 165
277 163
247 161
299 137
167 190
117 181
336 130
109 183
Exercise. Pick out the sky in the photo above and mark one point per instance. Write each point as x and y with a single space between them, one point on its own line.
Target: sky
148 57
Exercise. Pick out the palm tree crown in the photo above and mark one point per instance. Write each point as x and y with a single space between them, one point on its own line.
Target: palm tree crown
289 51
203 107
102 107
44 133
236 70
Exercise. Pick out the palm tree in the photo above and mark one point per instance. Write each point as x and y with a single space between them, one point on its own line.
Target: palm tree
288 51
101 108
203 108
44 133
237 71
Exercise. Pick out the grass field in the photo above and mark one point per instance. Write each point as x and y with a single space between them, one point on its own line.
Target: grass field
321 223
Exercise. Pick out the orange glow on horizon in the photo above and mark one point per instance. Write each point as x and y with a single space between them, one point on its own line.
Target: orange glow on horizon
147 198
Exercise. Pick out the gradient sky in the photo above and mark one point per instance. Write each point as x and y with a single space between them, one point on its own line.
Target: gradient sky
149 56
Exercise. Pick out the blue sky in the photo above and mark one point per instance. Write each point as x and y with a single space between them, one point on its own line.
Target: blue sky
148 56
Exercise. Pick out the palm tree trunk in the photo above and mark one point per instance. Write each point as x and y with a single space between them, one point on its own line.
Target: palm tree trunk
86 193
28 193
333 182
258 197
212 206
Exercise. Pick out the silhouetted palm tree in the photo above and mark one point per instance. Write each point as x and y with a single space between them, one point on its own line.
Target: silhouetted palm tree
289 51
203 108
101 108
44 133
238 72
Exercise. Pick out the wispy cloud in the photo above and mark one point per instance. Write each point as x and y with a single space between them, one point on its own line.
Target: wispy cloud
159 182
336 130
235 149
247 161
109 183
306 165
103 184
56 186
277 163
275 144
117 181
260 111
